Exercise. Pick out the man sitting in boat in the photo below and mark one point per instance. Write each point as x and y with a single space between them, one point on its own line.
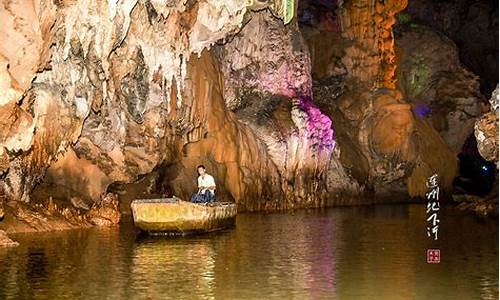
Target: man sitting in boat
206 187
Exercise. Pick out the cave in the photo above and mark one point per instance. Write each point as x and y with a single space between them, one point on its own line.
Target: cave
353 109
477 176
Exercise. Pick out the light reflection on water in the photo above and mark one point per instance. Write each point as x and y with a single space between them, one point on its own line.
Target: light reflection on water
374 252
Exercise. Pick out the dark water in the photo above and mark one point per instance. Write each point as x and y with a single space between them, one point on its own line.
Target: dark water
374 252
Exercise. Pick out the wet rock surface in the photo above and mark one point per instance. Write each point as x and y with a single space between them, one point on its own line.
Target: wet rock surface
133 95
439 88
382 143
473 27
479 206
268 87
113 78
5 241
486 131
58 214
105 212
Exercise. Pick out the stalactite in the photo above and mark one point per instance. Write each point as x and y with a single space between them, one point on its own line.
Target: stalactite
368 24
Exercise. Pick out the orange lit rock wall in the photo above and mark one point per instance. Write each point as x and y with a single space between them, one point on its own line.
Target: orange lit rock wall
382 143
109 93
97 94
97 78
368 25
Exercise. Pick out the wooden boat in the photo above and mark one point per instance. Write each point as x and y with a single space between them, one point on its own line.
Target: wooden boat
173 216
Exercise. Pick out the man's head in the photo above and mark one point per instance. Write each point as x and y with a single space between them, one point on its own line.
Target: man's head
201 169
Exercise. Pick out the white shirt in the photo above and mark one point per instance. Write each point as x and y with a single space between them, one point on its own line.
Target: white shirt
205 181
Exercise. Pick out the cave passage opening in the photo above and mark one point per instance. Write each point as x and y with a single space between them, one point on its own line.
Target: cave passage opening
476 175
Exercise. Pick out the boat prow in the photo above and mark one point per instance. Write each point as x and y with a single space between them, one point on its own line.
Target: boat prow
173 216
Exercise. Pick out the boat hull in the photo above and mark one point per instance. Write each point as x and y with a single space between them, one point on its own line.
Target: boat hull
176 217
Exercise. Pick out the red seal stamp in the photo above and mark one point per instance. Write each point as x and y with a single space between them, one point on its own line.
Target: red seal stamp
433 256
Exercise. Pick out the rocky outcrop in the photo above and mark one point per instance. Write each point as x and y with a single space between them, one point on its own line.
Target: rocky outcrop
382 143
432 75
473 27
58 214
434 81
386 146
269 88
486 134
132 95
5 241
105 212
205 131
486 131
368 25
105 74
479 206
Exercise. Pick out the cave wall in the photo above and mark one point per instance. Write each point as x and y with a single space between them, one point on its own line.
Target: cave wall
437 85
382 143
369 58
97 91
283 116
486 131
121 89
472 25
228 148
269 88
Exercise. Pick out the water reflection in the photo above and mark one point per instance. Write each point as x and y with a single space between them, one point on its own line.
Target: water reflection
344 253
161 267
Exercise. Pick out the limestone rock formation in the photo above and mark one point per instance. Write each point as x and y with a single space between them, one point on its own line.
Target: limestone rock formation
105 73
382 143
105 212
370 56
486 134
204 131
486 131
114 96
58 214
386 146
473 27
436 84
269 88
5 241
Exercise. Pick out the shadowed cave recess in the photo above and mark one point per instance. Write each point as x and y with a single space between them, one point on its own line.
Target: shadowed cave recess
349 102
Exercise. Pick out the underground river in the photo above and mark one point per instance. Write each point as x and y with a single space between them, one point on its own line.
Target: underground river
365 252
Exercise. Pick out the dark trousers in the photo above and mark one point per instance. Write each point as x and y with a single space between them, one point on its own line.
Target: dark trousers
205 197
